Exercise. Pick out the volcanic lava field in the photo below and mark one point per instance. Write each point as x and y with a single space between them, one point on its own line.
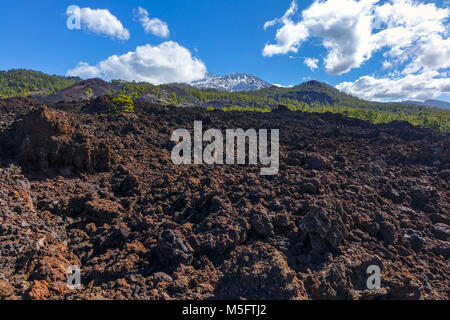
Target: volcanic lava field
81 187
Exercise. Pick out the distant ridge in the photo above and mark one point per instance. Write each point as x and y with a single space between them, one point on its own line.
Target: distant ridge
431 103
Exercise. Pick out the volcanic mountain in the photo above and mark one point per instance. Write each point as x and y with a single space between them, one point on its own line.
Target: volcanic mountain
231 82
83 90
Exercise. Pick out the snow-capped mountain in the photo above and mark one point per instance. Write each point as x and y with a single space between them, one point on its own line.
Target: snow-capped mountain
231 82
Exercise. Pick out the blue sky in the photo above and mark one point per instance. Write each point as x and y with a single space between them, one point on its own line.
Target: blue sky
229 36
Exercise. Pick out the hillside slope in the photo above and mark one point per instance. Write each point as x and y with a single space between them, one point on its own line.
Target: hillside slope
309 92
21 82
83 90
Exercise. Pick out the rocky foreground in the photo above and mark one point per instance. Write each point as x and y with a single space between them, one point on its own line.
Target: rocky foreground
78 187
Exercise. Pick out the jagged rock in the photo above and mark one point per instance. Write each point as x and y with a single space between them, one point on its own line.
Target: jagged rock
102 211
47 139
311 186
317 162
388 232
415 239
172 250
39 291
442 248
296 158
421 196
258 272
445 174
52 267
405 289
442 231
162 277
129 185
102 105
323 229
393 194
6 289
260 221
217 234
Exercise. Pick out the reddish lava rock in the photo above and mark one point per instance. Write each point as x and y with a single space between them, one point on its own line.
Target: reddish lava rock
99 191
258 272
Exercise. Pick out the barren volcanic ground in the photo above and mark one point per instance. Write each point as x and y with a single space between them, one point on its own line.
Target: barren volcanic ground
78 187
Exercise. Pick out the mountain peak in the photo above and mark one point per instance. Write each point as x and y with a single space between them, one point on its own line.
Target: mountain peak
231 82
314 84
82 90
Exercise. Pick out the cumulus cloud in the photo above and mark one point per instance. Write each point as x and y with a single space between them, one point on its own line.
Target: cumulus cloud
99 21
343 25
85 71
312 63
165 63
411 31
346 28
422 86
412 36
432 53
152 26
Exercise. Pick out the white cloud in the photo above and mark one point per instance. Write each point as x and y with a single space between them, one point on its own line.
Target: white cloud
432 53
288 38
285 19
153 26
165 63
343 25
99 21
346 28
312 63
386 65
283 86
85 70
422 86
413 36
411 30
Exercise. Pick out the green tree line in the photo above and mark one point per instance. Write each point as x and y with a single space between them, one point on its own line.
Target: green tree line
21 82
